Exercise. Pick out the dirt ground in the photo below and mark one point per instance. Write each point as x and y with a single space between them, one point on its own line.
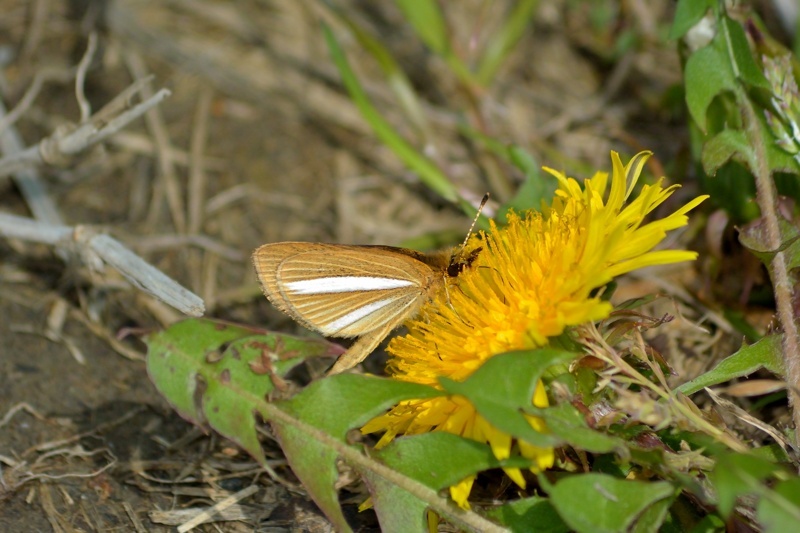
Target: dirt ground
257 143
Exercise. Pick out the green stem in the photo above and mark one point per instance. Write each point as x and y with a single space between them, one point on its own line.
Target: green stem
467 520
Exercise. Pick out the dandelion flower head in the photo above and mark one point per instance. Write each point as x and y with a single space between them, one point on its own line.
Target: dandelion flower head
531 280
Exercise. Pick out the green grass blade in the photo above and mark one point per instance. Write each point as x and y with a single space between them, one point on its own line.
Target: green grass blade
502 43
428 172
428 22
395 76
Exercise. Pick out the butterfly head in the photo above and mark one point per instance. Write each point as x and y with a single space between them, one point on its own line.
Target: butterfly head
459 261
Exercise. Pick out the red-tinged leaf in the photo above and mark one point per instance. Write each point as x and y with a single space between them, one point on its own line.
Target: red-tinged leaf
216 373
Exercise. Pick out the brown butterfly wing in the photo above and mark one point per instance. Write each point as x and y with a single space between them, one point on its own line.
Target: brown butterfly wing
351 310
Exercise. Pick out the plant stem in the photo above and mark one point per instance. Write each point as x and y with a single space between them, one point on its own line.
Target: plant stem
633 376
766 197
467 520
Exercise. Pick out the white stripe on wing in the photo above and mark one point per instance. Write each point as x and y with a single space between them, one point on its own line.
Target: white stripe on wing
354 316
344 284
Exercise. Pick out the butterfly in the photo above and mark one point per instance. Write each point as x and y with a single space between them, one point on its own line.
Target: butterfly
344 290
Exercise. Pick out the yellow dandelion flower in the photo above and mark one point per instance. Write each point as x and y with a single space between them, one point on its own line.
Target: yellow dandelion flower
532 279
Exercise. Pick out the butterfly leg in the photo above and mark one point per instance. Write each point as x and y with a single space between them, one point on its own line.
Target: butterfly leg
361 348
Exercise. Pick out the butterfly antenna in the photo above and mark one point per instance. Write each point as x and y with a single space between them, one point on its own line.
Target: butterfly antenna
475 220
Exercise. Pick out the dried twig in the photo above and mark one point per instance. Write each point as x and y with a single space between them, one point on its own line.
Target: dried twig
103 333
57 338
160 242
141 144
60 147
197 182
44 75
80 78
18 158
137 524
23 406
176 517
33 33
96 249
733 409
208 514
167 173
54 331
197 175
28 180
